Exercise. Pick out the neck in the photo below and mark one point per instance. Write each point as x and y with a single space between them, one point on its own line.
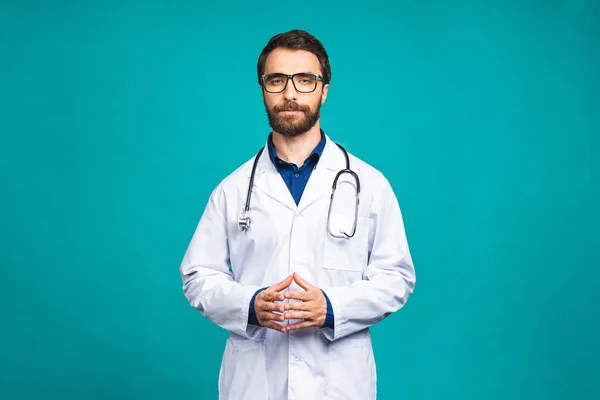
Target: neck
297 149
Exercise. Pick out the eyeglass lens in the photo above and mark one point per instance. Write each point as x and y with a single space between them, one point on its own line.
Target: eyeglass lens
304 83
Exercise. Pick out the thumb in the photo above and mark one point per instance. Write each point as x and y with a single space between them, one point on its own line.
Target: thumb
302 283
283 284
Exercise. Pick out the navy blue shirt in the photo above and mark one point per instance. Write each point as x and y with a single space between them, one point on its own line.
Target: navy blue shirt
296 179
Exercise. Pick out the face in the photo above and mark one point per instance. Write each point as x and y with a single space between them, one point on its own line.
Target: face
290 112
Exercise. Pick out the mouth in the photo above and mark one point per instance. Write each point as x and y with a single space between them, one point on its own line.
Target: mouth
290 112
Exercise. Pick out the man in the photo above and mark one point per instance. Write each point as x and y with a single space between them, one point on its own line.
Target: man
299 288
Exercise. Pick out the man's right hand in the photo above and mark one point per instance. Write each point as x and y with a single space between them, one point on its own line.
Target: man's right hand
265 306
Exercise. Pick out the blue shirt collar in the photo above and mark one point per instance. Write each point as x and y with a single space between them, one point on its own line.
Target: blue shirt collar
316 153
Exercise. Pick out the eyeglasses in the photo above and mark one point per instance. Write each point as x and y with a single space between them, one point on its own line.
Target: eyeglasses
303 82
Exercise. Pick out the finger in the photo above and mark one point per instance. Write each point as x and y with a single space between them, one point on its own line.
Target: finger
282 285
298 315
302 283
297 305
300 325
298 296
274 326
270 306
265 316
267 295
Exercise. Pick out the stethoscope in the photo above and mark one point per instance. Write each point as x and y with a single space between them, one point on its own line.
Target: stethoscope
244 220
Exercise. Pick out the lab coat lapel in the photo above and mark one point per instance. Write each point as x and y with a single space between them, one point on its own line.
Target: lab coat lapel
321 179
268 180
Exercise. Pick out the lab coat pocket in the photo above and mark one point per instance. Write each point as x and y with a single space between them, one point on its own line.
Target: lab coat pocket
351 372
243 373
349 254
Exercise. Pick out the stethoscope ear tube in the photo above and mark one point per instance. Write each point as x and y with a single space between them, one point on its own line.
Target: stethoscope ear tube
347 170
252 179
244 220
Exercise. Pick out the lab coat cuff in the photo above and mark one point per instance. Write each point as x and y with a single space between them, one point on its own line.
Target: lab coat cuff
252 318
329 318
332 306
251 331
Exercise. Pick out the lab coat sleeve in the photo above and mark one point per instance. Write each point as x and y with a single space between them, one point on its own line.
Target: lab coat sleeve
208 283
389 278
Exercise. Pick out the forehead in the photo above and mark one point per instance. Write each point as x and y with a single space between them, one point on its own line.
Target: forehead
291 61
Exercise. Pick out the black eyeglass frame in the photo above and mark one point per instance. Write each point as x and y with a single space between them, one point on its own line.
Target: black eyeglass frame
288 77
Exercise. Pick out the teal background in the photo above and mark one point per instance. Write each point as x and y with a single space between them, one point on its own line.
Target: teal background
118 118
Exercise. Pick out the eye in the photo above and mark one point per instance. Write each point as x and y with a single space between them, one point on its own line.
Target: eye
275 79
305 79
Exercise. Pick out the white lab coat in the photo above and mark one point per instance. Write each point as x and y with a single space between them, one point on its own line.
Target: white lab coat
366 278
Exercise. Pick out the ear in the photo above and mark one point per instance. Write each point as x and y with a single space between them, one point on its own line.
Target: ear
324 93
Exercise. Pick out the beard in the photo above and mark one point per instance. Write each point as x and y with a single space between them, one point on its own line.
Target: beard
293 125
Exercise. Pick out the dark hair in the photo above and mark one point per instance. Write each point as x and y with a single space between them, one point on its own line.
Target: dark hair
296 40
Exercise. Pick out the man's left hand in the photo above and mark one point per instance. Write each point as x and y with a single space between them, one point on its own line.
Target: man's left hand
312 307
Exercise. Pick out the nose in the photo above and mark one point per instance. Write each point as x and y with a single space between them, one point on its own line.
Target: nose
290 92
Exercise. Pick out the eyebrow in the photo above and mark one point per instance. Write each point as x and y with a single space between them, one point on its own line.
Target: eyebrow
301 72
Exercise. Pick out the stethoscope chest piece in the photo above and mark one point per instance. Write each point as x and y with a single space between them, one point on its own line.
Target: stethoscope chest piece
244 222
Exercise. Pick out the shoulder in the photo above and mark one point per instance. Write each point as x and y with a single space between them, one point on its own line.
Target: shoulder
234 181
375 187
368 173
240 175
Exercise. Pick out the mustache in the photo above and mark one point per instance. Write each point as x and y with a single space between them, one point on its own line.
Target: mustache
290 106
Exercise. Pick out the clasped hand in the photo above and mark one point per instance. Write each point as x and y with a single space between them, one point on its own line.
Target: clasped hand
311 307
